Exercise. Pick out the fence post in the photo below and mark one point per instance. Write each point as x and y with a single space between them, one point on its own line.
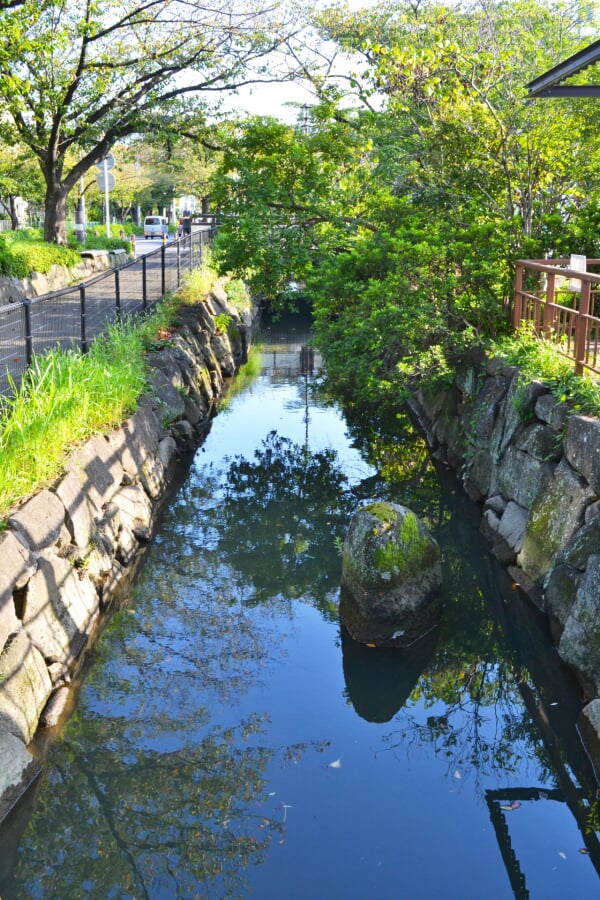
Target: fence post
549 312
518 302
581 327
163 282
28 334
83 313
178 245
144 285
118 295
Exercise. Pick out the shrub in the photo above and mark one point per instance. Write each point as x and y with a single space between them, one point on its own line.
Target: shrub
101 242
22 252
9 264
238 293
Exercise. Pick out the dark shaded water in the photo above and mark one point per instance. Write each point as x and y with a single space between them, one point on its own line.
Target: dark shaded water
231 740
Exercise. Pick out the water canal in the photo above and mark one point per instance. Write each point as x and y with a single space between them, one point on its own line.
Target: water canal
230 740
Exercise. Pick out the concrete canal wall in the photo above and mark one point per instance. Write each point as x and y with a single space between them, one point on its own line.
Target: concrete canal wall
533 463
71 549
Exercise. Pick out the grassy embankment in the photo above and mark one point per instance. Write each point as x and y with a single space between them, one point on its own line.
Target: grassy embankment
23 252
540 360
66 397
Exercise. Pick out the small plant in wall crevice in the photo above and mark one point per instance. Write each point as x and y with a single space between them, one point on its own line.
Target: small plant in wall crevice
222 323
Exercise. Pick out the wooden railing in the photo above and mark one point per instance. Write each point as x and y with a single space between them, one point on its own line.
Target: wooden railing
563 303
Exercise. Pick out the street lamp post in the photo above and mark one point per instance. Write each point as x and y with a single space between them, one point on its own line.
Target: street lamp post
80 215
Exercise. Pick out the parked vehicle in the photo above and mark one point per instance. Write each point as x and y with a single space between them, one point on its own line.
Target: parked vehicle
155 226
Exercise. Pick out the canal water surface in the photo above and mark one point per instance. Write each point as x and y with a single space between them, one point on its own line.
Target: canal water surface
231 740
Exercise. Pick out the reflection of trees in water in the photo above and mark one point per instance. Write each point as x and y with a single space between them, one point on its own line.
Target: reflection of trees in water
396 448
145 823
467 704
274 523
473 717
162 800
458 695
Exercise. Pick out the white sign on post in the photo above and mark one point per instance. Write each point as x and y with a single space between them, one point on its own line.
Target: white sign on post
108 160
110 181
578 262
106 182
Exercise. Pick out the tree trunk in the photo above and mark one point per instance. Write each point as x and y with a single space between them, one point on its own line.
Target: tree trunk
55 223
14 219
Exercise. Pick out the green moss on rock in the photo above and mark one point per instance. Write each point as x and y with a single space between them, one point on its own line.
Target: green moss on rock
391 570
411 550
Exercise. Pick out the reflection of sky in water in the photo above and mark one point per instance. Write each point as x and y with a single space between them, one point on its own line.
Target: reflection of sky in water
265 407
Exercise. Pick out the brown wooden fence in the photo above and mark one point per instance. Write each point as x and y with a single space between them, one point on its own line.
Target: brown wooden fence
563 303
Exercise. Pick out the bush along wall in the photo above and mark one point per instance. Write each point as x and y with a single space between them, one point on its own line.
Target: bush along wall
534 465
71 550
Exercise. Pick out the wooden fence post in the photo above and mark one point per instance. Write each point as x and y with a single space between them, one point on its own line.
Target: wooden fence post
581 327
549 311
518 307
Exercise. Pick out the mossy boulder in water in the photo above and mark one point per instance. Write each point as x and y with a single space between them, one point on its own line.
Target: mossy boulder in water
391 577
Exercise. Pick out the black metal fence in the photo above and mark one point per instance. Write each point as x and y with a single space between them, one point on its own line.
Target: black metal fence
74 316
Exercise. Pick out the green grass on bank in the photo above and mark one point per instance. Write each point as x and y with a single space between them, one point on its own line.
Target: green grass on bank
540 360
436 367
25 251
66 397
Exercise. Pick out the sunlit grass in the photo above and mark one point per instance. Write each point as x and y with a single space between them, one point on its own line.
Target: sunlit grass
539 359
199 282
238 293
64 398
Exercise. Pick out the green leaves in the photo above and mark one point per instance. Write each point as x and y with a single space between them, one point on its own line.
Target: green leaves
401 221
76 79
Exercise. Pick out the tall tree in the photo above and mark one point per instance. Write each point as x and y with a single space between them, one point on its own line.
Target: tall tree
402 212
77 77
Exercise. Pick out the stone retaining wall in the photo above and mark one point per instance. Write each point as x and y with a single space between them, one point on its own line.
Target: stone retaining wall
534 464
70 549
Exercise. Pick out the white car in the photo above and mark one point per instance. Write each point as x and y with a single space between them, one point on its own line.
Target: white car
155 226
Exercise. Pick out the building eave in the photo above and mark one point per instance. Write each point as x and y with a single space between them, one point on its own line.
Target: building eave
548 84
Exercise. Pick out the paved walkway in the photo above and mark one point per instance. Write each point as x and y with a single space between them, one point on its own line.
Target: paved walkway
64 317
